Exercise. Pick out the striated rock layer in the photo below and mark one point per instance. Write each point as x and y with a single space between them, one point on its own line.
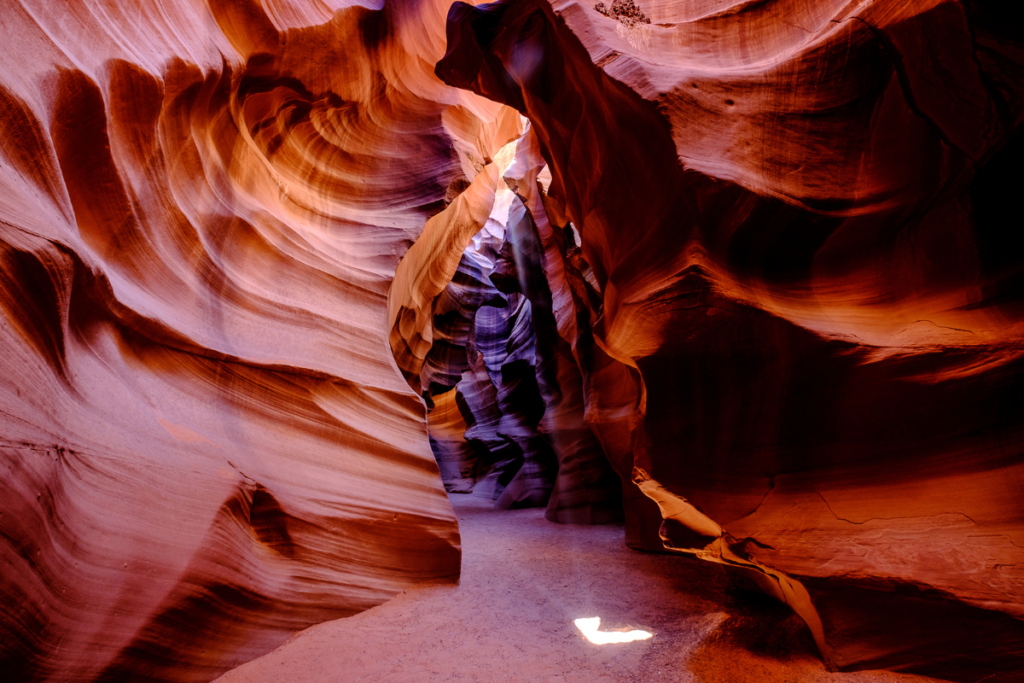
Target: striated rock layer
745 271
206 445
471 310
796 304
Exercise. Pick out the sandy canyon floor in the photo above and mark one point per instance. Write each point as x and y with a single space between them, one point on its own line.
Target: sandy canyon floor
524 582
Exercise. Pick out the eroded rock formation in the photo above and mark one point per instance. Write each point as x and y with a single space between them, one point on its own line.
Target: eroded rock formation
746 271
787 210
206 445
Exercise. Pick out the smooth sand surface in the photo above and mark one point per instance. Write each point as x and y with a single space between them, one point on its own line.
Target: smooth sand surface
524 581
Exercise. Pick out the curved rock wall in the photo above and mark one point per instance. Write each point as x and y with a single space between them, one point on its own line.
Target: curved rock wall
799 342
756 256
471 310
205 443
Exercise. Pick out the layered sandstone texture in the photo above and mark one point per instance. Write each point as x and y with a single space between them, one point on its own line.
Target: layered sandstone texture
797 299
206 445
276 273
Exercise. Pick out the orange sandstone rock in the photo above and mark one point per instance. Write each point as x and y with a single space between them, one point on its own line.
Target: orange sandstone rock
205 442
801 333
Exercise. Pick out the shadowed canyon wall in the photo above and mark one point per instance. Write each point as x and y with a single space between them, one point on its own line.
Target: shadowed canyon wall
748 273
788 212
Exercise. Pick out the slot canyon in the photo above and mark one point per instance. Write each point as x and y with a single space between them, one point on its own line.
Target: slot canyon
538 340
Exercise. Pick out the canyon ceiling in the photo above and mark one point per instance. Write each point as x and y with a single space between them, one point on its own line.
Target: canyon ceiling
747 275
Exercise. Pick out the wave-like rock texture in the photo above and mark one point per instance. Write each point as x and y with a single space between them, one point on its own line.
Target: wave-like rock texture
752 262
796 301
206 445
488 353
470 310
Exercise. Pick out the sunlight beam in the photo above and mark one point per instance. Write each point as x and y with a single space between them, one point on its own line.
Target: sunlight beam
590 628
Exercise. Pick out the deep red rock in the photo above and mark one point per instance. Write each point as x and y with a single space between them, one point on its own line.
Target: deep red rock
795 280
749 270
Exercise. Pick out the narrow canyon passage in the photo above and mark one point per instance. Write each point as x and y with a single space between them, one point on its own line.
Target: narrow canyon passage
668 299
524 582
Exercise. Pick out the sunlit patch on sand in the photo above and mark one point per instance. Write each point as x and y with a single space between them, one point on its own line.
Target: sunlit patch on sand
590 628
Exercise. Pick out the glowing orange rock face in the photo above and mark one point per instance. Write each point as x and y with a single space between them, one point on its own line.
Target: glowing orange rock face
807 337
771 278
205 443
